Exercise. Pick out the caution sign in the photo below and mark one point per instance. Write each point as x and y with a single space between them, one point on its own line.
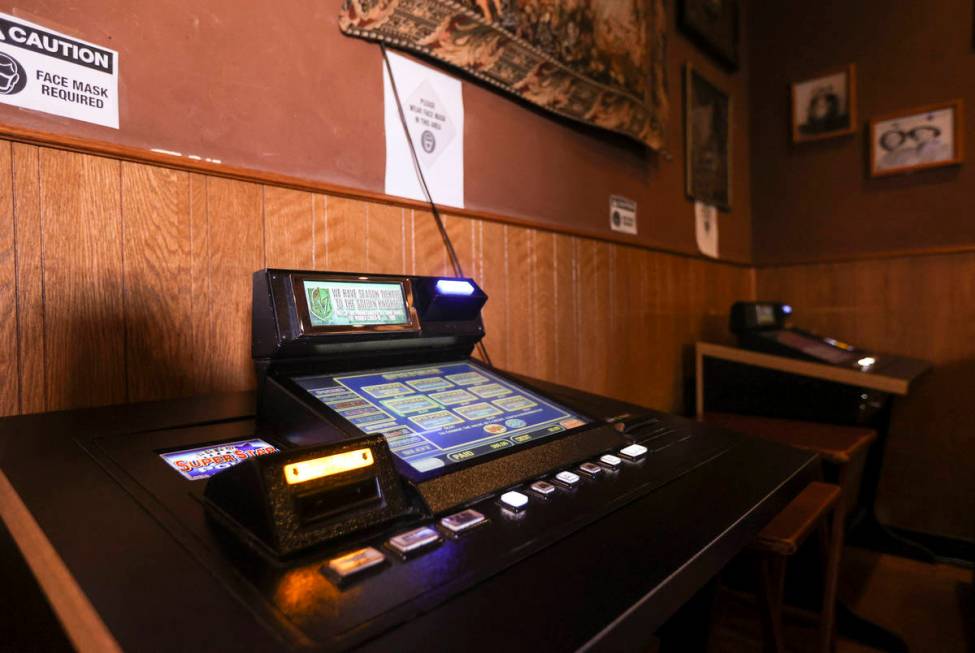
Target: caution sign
47 71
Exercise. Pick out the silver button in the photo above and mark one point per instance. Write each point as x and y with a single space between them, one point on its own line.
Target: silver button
412 541
567 478
355 562
543 487
610 460
633 451
591 470
514 500
462 521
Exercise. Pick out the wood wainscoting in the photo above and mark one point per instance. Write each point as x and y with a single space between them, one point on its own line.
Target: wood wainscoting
127 281
923 307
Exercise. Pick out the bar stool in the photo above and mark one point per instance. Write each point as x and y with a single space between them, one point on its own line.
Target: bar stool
814 506
836 445
781 539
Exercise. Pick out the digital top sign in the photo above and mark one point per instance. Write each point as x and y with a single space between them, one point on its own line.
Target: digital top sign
355 303
434 416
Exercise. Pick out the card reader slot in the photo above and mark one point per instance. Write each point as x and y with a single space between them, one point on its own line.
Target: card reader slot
320 505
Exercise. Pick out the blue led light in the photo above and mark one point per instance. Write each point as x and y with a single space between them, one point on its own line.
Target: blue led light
786 309
454 287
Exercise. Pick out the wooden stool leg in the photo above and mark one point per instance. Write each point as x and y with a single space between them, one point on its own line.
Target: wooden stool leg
827 624
770 590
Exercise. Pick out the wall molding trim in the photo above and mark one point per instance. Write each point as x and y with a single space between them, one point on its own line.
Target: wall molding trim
178 162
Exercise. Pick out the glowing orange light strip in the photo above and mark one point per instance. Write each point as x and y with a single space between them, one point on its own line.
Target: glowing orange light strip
309 470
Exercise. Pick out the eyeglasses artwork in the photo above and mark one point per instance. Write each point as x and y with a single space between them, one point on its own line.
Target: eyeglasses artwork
925 137
892 139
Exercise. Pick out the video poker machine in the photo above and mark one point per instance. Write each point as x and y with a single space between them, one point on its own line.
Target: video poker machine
385 490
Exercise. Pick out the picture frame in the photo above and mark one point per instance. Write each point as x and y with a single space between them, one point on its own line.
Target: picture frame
825 106
713 26
707 132
919 138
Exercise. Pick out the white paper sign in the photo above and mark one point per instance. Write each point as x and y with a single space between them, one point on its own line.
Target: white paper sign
433 104
706 228
47 71
622 214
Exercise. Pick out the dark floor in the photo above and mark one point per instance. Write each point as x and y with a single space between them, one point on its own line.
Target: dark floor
932 607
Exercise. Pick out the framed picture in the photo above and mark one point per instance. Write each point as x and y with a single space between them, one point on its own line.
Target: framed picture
917 139
825 106
713 25
707 130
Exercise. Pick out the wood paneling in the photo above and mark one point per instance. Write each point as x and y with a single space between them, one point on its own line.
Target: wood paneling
132 282
158 290
81 253
922 307
9 390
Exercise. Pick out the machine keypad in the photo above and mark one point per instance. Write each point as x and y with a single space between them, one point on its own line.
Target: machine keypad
610 460
463 521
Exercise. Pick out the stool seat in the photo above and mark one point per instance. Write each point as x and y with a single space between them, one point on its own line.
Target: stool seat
788 530
836 444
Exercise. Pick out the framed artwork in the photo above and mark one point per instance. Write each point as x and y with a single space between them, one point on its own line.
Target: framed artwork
917 139
825 106
713 25
707 130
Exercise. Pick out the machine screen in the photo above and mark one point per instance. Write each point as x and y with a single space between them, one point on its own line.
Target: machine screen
355 303
434 416
815 348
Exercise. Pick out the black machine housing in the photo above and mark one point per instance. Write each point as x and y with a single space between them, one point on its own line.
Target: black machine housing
441 327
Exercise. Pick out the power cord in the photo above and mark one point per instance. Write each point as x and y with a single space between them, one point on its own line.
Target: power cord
451 253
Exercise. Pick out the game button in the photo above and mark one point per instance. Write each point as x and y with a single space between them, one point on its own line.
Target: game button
463 521
590 469
610 460
543 487
413 541
567 478
514 500
355 562
633 452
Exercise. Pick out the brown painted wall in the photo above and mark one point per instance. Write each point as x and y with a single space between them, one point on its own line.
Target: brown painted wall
815 201
274 86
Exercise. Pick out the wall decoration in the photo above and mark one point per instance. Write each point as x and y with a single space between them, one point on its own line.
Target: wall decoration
707 127
825 106
712 24
916 139
601 62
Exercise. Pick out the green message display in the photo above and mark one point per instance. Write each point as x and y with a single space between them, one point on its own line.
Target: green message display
353 303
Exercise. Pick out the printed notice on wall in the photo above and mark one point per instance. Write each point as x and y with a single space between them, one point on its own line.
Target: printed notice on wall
433 105
47 71
706 228
622 214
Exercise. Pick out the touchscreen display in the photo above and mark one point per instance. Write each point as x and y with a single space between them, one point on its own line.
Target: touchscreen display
815 348
434 416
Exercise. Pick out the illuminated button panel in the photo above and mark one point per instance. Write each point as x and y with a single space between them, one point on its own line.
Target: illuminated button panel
424 538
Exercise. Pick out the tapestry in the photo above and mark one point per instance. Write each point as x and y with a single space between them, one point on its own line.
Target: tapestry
601 62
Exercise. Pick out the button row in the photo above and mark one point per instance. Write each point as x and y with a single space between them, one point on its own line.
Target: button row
419 539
